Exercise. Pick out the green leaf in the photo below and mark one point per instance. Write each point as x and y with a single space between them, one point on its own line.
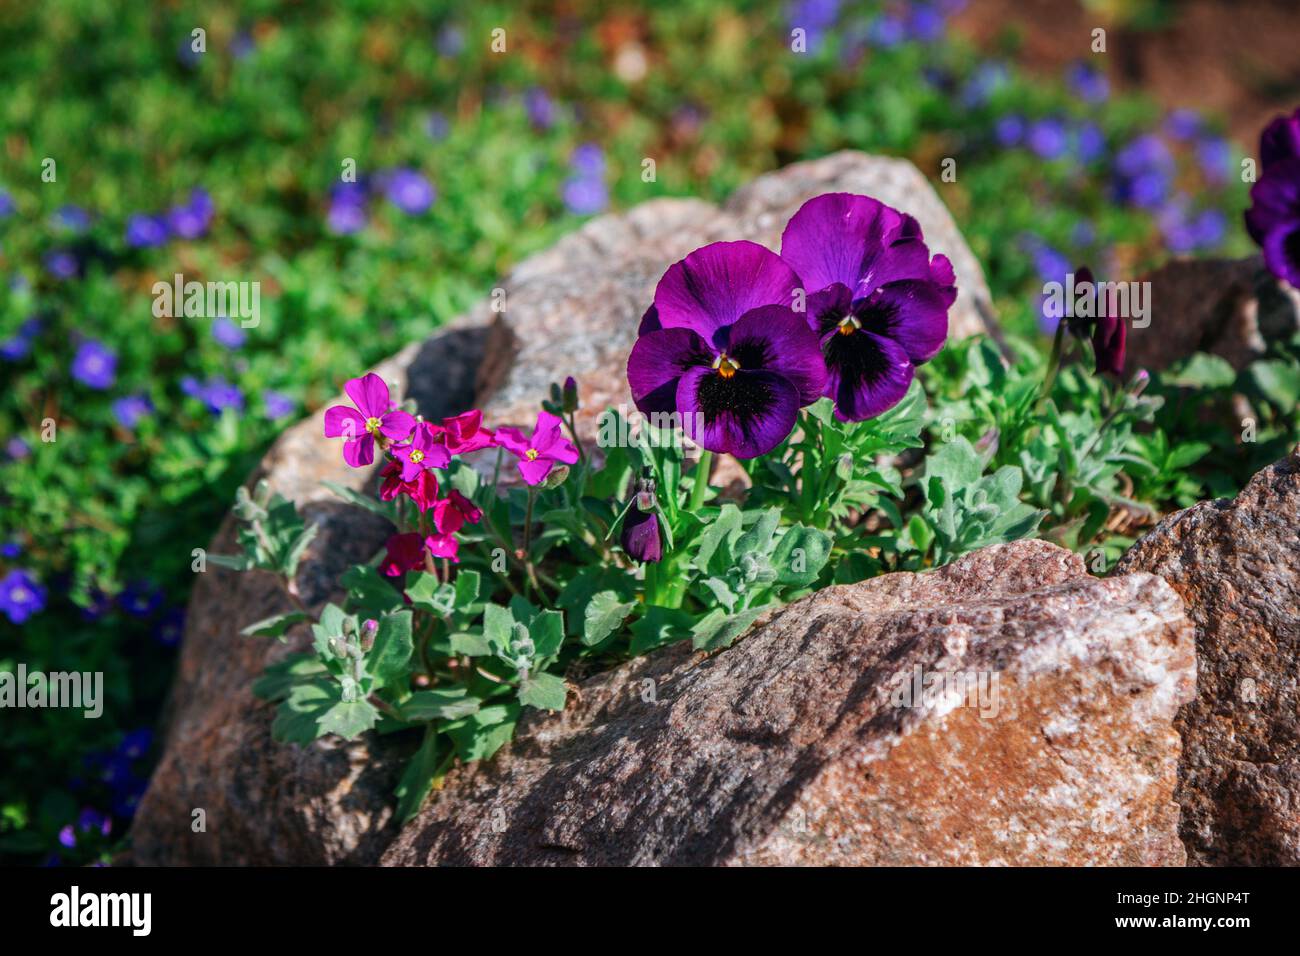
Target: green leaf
279 678
1278 381
417 780
389 660
719 629
498 624
383 508
451 703
480 735
275 625
715 534
758 539
604 615
543 691
349 719
800 556
297 721
659 626
430 594
369 592
547 633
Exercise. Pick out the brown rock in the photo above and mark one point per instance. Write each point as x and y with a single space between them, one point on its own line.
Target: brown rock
789 748
1236 565
1228 307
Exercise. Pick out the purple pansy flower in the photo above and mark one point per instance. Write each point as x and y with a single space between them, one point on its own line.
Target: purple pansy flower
21 595
376 417
1047 138
410 192
191 219
1273 219
423 451
585 195
1107 328
876 299
541 452
640 538
722 348
95 365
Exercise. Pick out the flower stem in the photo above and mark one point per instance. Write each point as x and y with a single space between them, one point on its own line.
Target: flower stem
1053 363
701 485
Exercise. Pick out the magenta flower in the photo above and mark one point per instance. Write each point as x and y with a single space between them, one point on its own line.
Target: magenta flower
454 512
722 348
443 546
377 419
876 299
465 433
422 452
423 490
540 453
405 552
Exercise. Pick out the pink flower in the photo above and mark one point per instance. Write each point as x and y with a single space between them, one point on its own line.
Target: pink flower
423 490
405 553
465 433
454 512
423 452
376 417
443 546
540 453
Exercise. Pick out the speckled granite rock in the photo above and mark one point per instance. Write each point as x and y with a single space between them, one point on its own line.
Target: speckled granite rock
574 310
791 747
1228 307
1237 566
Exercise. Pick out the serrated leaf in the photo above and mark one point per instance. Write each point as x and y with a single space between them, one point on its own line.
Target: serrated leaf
498 624
800 556
605 613
543 691
547 633
297 720
715 534
349 719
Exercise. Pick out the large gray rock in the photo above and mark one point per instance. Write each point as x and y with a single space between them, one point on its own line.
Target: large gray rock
797 745
1236 565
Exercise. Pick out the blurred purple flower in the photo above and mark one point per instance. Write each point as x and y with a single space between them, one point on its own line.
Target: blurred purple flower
1087 82
171 628
1183 124
21 595
1047 138
62 264
984 81
95 365
131 409
410 192
71 219
140 598
242 44
17 449
145 231
450 41
1214 155
19 345
228 334
925 22
585 196
277 404
6 204
191 219
1009 130
11 549
1090 142
436 125
887 31
539 107
588 160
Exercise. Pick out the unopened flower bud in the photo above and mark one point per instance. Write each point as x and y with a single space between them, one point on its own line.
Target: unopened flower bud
557 476
570 403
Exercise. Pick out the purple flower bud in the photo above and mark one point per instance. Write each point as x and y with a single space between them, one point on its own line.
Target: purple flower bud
570 395
640 537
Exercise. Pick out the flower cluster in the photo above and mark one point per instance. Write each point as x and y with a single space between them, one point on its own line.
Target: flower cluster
416 450
1273 219
739 338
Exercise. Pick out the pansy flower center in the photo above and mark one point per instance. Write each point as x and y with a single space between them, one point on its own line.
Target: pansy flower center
726 365
848 325
531 454
417 456
372 424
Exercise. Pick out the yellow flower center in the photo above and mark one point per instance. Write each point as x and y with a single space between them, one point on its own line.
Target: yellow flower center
531 454
417 456
726 365
372 425
849 325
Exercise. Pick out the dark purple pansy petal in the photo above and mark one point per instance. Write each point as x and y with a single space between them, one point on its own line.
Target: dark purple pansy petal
715 285
1280 141
1108 339
1282 252
829 307
869 374
912 313
833 237
649 322
657 361
777 339
640 538
903 258
746 415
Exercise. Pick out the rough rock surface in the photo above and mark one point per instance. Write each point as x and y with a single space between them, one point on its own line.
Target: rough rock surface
574 309
1228 307
1237 566
791 747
